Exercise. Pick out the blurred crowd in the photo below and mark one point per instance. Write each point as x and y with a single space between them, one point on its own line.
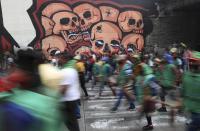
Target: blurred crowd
38 94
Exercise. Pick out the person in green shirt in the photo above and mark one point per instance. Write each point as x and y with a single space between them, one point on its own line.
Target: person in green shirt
191 93
105 73
96 71
123 80
157 69
146 89
168 79
146 92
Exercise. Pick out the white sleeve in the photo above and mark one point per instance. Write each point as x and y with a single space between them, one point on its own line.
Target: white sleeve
66 78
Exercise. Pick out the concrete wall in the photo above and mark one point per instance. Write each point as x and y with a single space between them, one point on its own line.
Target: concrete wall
180 26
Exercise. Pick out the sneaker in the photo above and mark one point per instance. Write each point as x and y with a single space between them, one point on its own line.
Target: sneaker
130 109
188 122
86 97
148 127
162 109
78 117
114 109
96 96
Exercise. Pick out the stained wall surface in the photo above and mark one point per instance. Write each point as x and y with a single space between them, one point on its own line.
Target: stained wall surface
97 26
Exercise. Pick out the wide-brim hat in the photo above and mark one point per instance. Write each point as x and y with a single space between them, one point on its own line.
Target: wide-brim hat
78 57
121 57
183 44
135 56
173 50
157 60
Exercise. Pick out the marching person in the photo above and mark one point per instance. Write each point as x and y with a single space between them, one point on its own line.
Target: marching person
168 78
80 66
70 91
122 81
191 91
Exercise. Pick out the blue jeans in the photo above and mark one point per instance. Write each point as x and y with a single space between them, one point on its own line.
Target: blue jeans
77 110
102 84
195 124
120 96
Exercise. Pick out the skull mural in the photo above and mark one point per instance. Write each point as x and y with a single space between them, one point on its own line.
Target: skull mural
106 37
133 42
51 44
131 21
89 15
109 13
67 25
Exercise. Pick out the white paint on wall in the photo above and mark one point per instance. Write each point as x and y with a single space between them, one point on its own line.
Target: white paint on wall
17 22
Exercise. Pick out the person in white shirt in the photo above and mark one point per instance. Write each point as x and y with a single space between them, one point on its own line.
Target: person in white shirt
70 91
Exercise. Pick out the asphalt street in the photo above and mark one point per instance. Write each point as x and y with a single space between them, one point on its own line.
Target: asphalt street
96 115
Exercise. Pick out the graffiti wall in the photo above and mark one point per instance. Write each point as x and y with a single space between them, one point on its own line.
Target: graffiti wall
75 26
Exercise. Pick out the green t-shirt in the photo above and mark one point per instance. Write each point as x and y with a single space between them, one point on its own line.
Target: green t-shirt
96 69
147 69
106 70
157 75
191 91
122 78
43 107
70 64
168 76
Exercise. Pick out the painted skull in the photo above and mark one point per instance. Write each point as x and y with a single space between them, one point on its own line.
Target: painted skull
51 44
133 42
88 16
106 38
47 12
109 13
54 7
67 25
131 21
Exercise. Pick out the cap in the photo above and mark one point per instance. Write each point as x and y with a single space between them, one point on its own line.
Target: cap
10 60
105 59
130 50
57 52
